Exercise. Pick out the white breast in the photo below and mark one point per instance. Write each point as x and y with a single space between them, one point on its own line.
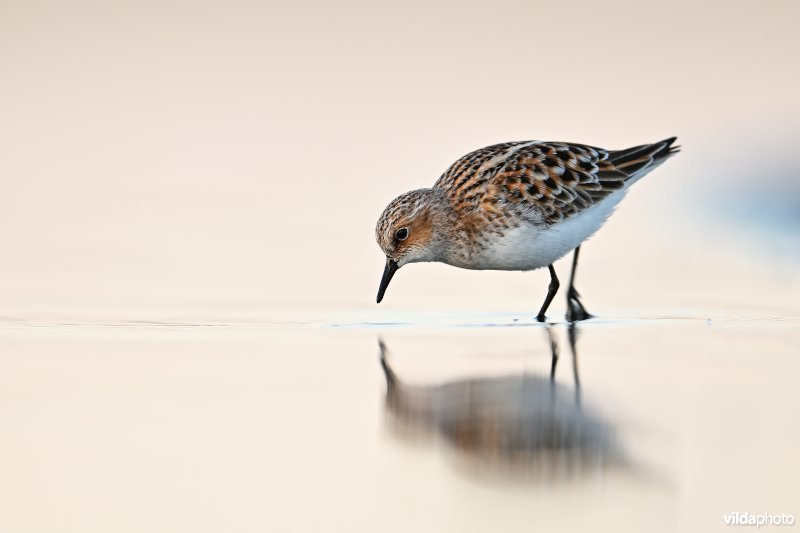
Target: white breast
532 246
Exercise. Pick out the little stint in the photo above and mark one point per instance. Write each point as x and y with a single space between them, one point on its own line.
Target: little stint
514 206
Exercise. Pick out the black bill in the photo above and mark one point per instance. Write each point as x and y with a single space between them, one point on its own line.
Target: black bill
388 272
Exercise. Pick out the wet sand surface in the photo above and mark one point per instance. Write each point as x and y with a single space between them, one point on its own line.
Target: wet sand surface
652 424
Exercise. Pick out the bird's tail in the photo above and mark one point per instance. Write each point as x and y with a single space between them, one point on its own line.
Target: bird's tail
639 160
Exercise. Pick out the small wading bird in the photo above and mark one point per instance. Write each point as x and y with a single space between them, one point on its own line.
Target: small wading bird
514 206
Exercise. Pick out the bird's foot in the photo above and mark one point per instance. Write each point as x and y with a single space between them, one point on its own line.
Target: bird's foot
575 309
576 314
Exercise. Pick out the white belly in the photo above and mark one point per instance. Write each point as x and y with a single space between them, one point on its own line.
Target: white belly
533 246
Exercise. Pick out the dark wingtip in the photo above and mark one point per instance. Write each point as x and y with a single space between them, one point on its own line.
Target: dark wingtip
636 159
667 149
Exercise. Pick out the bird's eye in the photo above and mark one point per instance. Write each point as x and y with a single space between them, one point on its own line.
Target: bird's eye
401 234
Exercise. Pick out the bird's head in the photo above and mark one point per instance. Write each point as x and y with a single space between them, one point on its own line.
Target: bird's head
411 230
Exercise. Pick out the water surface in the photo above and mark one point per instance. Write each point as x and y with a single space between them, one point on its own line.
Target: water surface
618 425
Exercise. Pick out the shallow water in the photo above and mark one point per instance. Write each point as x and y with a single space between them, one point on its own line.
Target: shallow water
650 424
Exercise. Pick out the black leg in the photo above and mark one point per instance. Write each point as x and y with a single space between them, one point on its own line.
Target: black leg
552 289
575 309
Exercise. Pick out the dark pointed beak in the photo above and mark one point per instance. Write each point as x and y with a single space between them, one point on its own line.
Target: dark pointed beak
388 272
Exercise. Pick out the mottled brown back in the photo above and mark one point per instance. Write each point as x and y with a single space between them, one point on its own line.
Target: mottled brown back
547 181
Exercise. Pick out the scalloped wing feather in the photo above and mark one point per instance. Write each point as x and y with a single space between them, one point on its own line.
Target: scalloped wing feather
545 182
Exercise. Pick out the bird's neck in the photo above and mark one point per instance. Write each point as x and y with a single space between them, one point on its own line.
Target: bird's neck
444 223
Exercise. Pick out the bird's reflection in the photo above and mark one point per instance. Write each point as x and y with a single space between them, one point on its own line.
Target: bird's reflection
523 425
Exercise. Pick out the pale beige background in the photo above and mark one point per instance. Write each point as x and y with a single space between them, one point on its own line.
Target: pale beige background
170 166
235 156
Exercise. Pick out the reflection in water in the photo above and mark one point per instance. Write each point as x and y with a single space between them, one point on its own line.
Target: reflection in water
523 425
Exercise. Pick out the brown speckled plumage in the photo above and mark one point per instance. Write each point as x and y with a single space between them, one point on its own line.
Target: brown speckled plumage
513 206
546 180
